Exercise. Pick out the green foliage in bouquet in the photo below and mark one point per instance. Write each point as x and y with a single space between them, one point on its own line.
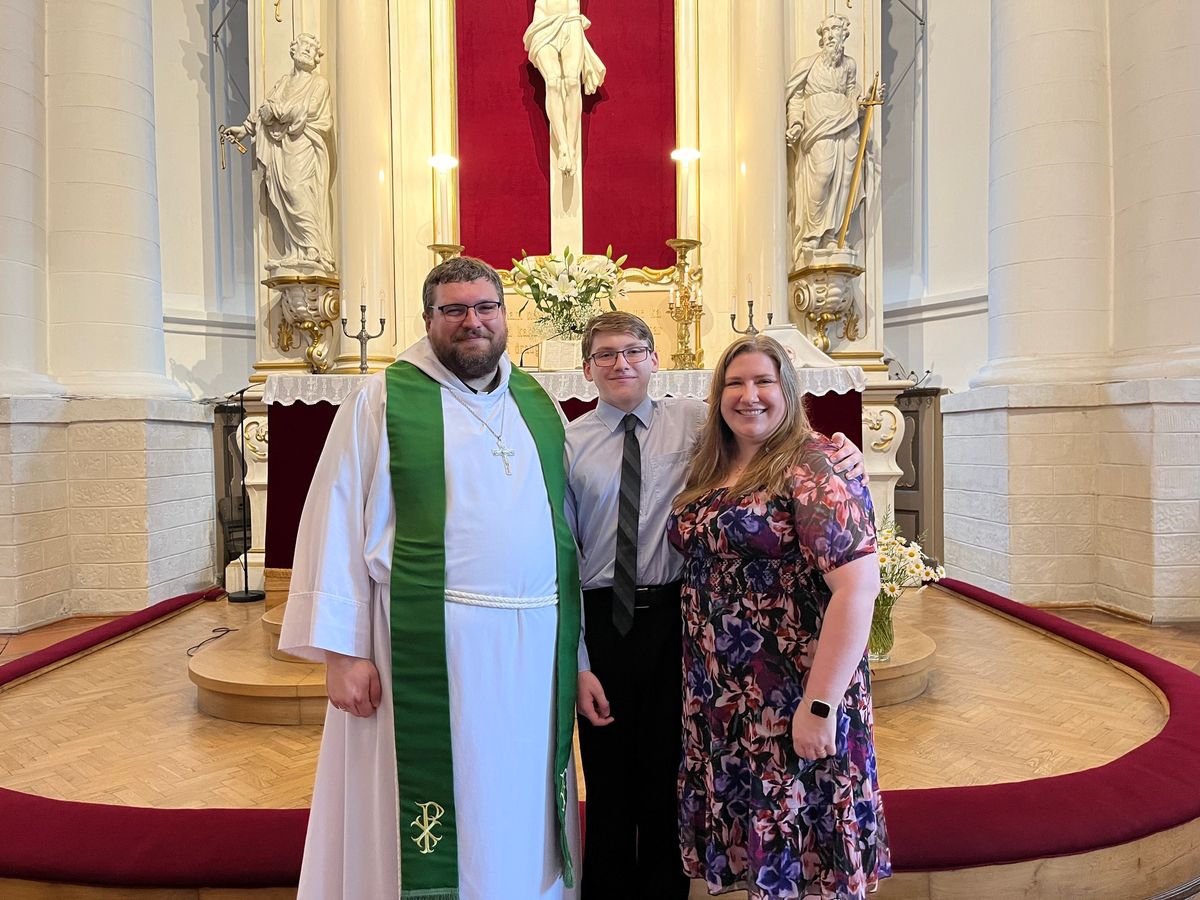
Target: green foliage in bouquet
568 290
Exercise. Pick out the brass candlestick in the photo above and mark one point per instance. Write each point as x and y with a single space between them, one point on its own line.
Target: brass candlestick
444 252
749 329
686 305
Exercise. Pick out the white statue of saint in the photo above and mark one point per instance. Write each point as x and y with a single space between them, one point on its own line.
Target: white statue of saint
293 142
823 133
557 46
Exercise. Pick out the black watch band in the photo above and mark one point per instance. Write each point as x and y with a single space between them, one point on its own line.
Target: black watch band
819 708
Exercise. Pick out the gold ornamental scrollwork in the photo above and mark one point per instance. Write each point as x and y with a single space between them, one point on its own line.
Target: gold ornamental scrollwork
663 277
824 293
254 431
873 419
309 305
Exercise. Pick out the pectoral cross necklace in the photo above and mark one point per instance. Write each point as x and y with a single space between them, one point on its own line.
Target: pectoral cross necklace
501 451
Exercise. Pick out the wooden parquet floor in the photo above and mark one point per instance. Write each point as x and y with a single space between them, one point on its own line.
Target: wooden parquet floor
1004 703
120 726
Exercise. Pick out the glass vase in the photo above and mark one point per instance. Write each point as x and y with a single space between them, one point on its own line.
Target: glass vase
883 634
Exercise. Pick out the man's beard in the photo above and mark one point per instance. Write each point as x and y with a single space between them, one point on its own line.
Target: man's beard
832 54
467 364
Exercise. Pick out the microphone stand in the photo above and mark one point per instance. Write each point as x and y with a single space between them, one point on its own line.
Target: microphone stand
560 333
245 595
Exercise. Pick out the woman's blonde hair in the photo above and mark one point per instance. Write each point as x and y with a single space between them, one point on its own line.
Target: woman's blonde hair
716 448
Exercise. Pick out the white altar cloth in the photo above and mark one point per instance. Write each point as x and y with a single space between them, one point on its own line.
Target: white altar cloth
310 389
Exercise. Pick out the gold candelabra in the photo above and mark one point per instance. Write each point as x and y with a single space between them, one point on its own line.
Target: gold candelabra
686 305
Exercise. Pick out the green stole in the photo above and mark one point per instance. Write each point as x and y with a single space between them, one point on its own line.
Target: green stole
420 684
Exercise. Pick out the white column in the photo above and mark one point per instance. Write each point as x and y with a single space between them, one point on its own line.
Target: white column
364 178
1050 206
759 79
105 287
23 201
1156 189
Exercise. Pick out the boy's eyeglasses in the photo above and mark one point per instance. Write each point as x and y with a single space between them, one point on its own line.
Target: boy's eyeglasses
607 358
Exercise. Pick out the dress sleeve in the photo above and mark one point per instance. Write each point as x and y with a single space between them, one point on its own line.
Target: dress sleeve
833 516
329 603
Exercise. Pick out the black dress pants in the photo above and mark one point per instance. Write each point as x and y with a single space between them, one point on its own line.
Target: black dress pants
631 766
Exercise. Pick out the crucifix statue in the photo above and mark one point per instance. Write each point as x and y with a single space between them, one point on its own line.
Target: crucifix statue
558 47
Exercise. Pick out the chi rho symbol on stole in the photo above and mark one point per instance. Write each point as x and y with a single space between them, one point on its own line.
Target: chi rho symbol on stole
431 816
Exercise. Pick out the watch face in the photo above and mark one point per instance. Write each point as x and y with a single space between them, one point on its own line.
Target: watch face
819 708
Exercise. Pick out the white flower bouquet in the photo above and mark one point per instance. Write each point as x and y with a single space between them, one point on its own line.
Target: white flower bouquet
568 290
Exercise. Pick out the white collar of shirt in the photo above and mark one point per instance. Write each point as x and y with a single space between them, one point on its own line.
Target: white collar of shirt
422 356
612 417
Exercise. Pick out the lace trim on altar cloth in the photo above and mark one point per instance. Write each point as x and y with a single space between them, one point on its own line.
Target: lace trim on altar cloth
694 383
310 389
501 602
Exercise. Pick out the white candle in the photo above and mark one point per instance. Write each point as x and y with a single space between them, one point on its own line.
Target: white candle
380 251
378 273
365 275
684 189
444 206
685 156
370 270
444 231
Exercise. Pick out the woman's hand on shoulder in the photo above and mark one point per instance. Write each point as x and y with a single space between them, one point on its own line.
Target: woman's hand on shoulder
847 459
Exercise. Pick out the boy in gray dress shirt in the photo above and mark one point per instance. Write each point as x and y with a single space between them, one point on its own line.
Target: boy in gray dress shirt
630 679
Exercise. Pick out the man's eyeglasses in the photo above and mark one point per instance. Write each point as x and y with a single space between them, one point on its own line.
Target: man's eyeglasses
485 310
607 358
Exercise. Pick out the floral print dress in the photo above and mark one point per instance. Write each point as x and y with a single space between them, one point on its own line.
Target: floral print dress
752 813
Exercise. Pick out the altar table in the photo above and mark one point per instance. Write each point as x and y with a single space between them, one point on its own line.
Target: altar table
300 410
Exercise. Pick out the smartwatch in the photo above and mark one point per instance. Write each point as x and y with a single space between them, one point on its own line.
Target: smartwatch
820 709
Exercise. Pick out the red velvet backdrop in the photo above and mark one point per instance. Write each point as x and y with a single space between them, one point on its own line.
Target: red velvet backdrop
628 131
503 136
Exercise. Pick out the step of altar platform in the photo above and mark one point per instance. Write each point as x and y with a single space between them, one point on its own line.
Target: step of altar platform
905 673
238 679
276 583
272 622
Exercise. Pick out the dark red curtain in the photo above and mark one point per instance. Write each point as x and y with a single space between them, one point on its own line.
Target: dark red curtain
503 135
628 132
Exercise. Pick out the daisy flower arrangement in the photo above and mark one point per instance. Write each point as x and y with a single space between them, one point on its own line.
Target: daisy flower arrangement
902 563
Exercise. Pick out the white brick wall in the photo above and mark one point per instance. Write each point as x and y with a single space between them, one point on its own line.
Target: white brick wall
1078 493
105 506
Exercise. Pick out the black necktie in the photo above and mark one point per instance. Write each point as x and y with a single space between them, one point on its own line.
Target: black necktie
625 567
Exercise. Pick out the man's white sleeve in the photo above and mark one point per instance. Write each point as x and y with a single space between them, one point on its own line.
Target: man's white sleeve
329 603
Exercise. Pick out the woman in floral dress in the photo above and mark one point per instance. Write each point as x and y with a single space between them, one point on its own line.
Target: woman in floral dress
778 790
